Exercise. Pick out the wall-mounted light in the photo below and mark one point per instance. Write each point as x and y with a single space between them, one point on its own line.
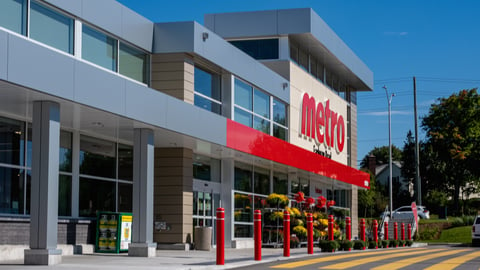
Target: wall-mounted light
284 85
204 36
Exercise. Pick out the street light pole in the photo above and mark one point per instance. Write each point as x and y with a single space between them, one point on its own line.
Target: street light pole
389 99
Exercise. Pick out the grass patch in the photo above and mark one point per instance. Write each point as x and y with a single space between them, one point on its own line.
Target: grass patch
454 235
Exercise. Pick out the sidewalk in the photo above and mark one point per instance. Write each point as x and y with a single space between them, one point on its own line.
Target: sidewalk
165 259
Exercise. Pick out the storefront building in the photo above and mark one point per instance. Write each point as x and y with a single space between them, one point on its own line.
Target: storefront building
103 110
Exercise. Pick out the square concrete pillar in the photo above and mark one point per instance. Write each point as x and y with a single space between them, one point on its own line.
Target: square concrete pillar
143 156
44 187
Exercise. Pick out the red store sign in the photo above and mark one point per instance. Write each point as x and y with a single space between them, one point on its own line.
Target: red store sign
320 123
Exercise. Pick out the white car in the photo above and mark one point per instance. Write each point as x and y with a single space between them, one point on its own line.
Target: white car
476 232
422 211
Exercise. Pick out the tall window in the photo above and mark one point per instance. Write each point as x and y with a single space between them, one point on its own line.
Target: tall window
51 27
13 15
99 48
65 177
102 163
207 91
280 120
206 168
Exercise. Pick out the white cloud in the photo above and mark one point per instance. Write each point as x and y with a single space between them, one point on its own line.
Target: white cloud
395 33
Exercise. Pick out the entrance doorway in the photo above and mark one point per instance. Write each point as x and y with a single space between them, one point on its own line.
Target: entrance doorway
206 199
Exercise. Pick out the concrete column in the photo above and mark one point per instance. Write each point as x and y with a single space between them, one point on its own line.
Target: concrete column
142 227
44 187
228 172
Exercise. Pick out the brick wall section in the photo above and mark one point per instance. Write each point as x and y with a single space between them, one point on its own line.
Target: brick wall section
17 232
173 197
173 74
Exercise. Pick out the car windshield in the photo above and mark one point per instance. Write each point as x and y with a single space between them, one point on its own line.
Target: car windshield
477 221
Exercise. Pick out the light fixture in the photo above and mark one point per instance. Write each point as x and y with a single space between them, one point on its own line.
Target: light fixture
204 36
284 85
97 124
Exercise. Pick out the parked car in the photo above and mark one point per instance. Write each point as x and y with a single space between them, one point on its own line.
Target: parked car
422 211
476 232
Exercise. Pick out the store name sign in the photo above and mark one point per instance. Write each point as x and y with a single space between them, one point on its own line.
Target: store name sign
321 124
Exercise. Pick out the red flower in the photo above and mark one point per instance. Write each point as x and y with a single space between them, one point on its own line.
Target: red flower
321 201
310 201
330 203
299 197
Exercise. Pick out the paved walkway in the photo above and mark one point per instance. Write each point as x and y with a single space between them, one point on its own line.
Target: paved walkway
170 259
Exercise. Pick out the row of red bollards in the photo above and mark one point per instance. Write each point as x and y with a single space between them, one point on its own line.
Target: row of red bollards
257 229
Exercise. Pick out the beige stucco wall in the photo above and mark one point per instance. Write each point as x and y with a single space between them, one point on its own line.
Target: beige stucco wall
301 82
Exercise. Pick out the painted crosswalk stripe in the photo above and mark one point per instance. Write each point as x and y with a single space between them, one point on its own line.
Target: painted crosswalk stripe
410 261
454 262
337 257
350 264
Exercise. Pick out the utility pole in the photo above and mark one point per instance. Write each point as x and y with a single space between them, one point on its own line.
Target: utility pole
418 181
389 99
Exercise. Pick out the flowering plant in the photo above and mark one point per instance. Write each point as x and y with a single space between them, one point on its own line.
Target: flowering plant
299 197
310 201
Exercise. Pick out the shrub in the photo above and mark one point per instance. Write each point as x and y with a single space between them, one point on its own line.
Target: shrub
294 241
345 245
359 244
393 243
372 245
429 233
457 222
401 243
385 243
321 244
329 246
409 243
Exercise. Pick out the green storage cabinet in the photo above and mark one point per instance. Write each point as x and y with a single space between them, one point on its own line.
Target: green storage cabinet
114 232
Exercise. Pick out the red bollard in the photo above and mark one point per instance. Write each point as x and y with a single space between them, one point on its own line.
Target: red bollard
348 228
362 230
375 232
395 231
330 227
257 234
286 234
309 233
409 231
385 228
403 233
220 236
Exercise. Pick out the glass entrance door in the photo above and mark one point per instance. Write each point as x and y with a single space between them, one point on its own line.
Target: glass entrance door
206 199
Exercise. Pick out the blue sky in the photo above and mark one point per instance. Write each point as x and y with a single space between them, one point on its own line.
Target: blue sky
435 40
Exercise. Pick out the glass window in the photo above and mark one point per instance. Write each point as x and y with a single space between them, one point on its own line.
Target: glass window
279 132
133 63
320 72
64 195
12 141
65 156
97 157
261 178
12 186
279 112
258 49
99 48
243 117
313 67
96 195
125 193
300 184
125 162
294 53
303 59
243 230
205 168
13 15
243 177
261 103
243 207
207 91
280 183
243 95
51 28
261 124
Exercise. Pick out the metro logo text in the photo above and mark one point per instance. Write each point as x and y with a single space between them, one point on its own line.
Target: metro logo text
320 123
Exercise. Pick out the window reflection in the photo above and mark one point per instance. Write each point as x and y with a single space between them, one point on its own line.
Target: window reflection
97 157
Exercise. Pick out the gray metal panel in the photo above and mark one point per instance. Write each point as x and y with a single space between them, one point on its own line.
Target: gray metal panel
40 68
294 21
145 104
98 88
3 55
73 7
173 37
196 122
105 14
137 29
261 23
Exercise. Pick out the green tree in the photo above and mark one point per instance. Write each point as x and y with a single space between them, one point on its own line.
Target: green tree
453 140
366 198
